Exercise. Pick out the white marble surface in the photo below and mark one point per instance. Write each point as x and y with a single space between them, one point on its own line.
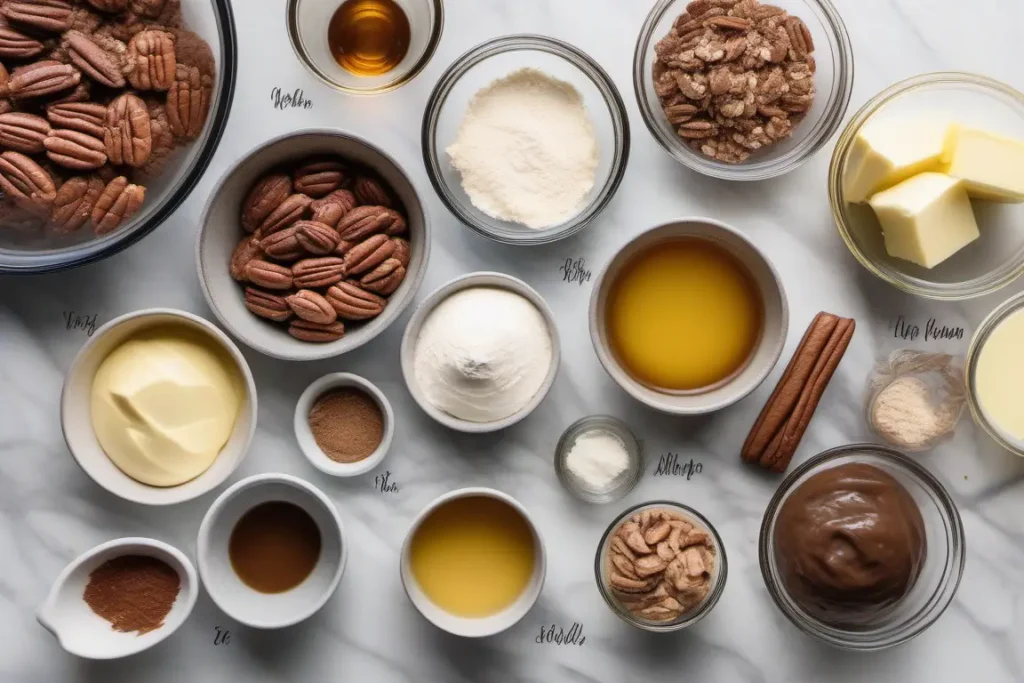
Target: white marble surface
50 511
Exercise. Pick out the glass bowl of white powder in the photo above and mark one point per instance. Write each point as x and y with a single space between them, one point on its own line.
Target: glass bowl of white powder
525 139
599 459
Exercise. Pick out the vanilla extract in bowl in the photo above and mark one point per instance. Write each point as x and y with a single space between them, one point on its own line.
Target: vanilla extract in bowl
369 37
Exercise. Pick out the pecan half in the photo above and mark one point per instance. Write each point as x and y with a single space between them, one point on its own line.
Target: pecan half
16 45
188 102
316 238
371 192
363 221
385 278
43 15
128 135
92 60
87 117
118 202
72 207
246 250
23 132
41 79
317 333
75 149
368 254
112 6
283 245
266 195
352 302
152 53
319 178
292 209
332 208
403 250
311 306
314 273
267 274
267 305
26 183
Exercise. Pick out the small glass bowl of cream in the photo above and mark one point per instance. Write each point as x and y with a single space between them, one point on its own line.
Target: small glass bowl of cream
599 459
994 370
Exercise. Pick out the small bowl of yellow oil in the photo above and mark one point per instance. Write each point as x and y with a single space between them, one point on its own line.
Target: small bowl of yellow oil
689 317
473 562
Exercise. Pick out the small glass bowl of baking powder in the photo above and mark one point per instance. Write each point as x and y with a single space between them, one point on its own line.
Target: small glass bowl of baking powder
599 459
497 59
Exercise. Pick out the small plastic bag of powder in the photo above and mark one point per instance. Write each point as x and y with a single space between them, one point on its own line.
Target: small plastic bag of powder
916 399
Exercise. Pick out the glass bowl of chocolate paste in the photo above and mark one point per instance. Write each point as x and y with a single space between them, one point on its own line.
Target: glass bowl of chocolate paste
862 548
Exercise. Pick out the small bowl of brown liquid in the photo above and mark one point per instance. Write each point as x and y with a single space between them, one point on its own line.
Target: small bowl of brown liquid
365 46
271 550
689 317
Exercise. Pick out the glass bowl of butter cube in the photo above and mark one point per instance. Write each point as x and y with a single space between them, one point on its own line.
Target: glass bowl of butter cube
927 185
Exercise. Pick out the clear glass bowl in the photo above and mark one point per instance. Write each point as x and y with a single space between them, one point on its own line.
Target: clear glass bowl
623 483
45 251
940 575
984 266
498 58
717 578
307 29
834 81
1001 313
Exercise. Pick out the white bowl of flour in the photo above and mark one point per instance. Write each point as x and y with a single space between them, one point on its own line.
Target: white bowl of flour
481 352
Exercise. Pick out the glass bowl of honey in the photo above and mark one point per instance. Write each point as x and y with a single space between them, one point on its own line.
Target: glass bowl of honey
689 317
365 47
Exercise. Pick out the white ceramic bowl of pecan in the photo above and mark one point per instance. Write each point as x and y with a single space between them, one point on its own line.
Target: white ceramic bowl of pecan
222 236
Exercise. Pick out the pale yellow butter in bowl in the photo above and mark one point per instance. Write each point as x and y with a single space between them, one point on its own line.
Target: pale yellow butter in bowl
991 165
164 403
886 153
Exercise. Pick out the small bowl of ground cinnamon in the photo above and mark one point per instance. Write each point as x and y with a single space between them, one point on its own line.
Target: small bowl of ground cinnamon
120 598
344 424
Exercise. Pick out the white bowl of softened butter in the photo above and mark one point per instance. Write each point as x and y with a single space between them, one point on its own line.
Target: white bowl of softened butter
76 409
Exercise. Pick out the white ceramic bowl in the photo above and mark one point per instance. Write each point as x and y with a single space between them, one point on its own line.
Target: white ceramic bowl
304 434
84 633
765 356
482 626
220 232
247 605
412 333
76 411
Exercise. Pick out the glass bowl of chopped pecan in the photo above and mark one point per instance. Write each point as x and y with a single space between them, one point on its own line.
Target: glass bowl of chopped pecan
739 89
661 566
110 112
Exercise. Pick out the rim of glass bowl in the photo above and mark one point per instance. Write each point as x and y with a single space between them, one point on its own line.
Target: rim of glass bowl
65 258
988 325
436 29
951 573
634 447
958 292
586 64
826 126
709 602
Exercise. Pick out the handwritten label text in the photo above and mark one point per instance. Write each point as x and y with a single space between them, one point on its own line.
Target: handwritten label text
669 465
932 330
293 100
383 483
560 636
575 271
222 636
79 321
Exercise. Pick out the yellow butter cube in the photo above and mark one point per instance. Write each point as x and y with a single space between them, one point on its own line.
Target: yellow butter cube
991 166
926 219
887 152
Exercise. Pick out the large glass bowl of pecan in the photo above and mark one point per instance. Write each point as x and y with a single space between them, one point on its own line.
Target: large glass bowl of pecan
742 89
312 245
110 111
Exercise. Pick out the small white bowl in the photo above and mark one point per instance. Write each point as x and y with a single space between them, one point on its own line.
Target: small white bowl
304 434
220 231
84 633
483 626
76 411
247 605
412 333
765 355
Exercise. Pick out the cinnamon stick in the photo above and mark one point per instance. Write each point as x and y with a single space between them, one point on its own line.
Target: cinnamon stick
779 428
